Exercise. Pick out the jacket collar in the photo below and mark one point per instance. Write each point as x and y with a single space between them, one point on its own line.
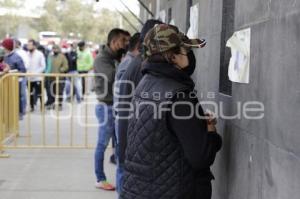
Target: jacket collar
169 71
105 50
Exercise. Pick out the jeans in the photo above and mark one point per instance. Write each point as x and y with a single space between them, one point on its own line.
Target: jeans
23 98
77 86
106 130
120 166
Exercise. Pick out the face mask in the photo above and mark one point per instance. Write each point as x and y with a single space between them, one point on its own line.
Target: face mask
189 70
120 53
55 53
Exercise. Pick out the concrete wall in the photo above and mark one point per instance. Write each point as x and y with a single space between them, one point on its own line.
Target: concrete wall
260 159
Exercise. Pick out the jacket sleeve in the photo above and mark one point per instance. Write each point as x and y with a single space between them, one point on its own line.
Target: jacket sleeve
20 65
64 66
199 145
42 63
104 75
89 61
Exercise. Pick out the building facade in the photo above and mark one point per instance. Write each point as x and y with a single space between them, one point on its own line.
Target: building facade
260 159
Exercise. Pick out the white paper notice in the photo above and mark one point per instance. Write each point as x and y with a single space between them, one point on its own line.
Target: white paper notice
239 65
193 31
162 16
172 22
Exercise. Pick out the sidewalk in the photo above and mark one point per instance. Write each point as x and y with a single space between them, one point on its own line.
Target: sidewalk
52 174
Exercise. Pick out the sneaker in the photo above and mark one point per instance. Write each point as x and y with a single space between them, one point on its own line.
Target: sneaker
105 186
50 107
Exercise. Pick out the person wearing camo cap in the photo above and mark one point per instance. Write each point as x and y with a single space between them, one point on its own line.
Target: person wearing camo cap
171 145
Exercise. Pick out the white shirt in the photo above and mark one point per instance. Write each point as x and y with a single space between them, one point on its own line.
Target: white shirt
36 64
24 56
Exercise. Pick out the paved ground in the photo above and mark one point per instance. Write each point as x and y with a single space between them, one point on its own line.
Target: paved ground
54 173
51 174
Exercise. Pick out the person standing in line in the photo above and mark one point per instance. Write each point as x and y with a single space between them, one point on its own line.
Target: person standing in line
84 63
58 65
171 144
105 64
36 65
15 62
129 79
133 51
71 56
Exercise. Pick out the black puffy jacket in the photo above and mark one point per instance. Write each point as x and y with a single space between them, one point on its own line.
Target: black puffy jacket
156 164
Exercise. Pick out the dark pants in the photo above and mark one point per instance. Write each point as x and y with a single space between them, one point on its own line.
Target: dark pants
83 82
35 93
48 89
54 92
204 190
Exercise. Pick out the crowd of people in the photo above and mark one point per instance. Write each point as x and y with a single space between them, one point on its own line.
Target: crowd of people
33 58
165 155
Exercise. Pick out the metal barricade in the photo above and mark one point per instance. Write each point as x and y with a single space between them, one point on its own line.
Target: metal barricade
9 109
46 128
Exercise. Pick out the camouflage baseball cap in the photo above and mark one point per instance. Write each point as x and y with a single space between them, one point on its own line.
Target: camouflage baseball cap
164 37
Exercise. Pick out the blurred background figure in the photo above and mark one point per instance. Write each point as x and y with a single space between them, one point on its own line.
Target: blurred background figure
37 65
15 62
84 62
57 63
4 68
21 52
71 56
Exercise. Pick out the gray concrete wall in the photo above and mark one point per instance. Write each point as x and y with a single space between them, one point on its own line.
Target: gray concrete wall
260 159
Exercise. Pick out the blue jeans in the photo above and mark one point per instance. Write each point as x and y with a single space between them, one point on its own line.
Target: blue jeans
23 97
77 86
106 130
120 166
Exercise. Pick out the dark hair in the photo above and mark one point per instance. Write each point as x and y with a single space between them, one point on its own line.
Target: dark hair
164 57
33 42
114 33
134 41
126 33
81 44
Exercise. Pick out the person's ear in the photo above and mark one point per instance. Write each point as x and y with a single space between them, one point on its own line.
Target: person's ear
173 59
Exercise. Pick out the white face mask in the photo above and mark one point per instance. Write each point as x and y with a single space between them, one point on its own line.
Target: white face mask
50 47
64 50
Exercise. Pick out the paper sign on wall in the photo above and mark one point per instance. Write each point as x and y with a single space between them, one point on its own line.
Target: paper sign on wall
172 22
193 31
162 16
239 65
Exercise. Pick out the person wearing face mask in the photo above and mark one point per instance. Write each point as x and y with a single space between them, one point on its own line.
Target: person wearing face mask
57 63
36 65
105 68
84 62
71 56
170 148
122 51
